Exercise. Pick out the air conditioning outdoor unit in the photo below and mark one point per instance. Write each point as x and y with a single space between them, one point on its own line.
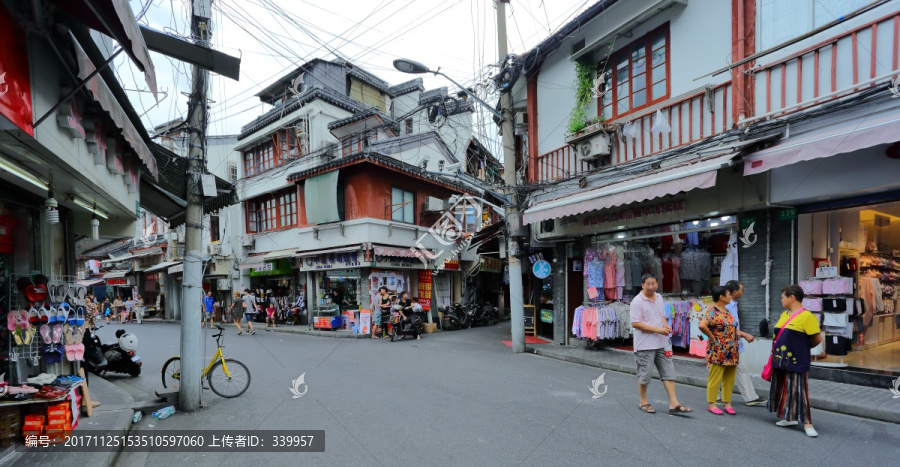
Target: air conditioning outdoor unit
223 284
82 275
433 204
215 249
595 150
248 242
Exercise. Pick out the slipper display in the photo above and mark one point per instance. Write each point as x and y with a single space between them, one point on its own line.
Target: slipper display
42 379
79 316
69 345
46 334
79 347
57 333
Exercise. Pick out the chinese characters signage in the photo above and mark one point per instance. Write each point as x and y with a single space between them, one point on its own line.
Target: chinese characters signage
119 281
388 262
425 284
491 264
324 262
635 213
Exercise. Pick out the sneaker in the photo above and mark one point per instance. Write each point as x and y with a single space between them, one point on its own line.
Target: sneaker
811 432
787 423
756 402
252 332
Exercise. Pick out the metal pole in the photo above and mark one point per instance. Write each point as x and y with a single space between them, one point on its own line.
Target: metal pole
516 295
191 299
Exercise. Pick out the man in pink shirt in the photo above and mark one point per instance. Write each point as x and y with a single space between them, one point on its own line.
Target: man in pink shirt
651 337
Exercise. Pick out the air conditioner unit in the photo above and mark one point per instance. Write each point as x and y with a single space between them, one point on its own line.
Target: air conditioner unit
223 284
595 150
82 275
215 249
248 242
433 204
550 228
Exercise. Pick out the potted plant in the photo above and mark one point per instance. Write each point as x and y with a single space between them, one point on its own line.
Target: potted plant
580 125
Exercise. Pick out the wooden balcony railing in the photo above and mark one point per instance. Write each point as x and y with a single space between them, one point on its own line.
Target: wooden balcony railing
693 117
850 62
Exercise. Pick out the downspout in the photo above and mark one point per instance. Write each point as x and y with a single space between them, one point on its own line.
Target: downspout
768 280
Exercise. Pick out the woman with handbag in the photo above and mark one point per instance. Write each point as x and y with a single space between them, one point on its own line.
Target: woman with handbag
797 331
722 352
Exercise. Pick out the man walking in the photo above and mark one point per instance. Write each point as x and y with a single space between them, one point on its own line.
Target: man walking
209 306
651 341
742 375
249 310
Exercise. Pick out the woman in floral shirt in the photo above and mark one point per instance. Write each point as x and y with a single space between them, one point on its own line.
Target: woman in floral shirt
722 352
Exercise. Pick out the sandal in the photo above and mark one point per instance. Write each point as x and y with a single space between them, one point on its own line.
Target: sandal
79 347
680 409
647 408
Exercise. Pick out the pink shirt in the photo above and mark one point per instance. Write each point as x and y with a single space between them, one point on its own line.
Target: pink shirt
651 313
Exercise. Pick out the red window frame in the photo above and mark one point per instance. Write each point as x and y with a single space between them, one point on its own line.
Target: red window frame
214 234
273 211
260 158
641 79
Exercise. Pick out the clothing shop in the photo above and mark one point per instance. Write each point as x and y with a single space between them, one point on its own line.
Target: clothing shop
687 239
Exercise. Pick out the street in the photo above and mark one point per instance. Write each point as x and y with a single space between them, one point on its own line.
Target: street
463 398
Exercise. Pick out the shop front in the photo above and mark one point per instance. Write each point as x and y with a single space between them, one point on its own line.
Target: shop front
275 282
119 284
336 281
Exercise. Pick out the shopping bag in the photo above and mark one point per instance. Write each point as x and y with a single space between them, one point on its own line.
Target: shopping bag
698 347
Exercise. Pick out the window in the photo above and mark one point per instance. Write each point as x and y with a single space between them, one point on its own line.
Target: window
233 173
352 145
638 74
214 234
467 221
260 158
783 20
409 126
272 211
403 206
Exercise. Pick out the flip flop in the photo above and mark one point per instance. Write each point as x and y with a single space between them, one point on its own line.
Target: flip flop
46 333
11 320
70 314
22 320
647 408
69 346
34 317
680 409
45 314
79 347
57 334
51 315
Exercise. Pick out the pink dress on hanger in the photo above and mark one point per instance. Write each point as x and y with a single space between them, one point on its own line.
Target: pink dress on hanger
610 272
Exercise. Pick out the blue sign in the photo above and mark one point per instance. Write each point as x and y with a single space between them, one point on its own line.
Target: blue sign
541 269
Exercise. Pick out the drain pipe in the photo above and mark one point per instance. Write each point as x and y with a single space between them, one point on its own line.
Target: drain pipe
768 280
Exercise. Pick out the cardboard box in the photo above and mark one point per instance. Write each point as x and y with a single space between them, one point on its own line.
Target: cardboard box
430 327
55 411
27 433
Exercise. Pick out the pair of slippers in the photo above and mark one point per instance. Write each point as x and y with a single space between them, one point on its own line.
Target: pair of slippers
18 322
65 314
52 335
52 353
74 348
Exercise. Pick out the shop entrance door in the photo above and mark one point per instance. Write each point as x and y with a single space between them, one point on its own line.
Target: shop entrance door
574 291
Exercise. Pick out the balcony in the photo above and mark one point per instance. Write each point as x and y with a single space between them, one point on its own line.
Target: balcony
693 116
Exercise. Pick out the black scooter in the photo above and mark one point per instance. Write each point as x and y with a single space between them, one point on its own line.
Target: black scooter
485 315
101 358
456 317
401 329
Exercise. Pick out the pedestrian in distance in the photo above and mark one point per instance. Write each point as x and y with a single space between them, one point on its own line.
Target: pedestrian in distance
119 308
406 314
139 309
249 310
129 308
107 309
236 311
651 339
385 306
722 352
270 314
209 308
796 332
742 376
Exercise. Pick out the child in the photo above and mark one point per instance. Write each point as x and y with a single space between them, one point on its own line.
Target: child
270 315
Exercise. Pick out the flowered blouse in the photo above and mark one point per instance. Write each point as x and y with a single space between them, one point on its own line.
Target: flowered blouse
723 349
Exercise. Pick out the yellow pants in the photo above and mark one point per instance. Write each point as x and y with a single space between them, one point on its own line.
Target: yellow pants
720 375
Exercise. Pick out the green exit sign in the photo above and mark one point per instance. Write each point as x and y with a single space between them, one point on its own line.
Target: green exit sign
787 214
747 221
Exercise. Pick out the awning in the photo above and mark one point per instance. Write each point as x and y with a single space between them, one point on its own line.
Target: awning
279 254
115 19
697 175
343 249
161 266
110 104
147 252
117 260
115 275
320 193
90 282
185 51
826 142
176 268
395 252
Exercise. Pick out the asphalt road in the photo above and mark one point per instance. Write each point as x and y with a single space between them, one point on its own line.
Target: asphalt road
463 398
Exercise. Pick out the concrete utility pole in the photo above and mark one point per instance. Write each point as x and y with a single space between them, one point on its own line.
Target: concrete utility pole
191 296
516 294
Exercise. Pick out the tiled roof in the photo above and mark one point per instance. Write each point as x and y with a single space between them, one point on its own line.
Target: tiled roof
433 95
360 116
407 87
289 76
105 250
551 43
367 77
326 94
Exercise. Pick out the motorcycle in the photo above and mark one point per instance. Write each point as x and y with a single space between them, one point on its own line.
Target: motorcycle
456 317
400 330
117 357
485 315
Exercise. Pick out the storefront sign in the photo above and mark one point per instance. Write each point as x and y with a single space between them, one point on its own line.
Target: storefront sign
365 322
787 214
425 288
263 267
345 260
491 264
153 276
541 269
451 264
547 316
747 221
278 267
389 262
117 282
323 322
635 213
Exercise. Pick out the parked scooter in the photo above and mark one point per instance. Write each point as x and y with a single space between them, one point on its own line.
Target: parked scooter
485 315
399 329
456 317
117 357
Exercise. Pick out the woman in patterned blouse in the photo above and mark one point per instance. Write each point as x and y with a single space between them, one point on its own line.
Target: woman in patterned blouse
722 352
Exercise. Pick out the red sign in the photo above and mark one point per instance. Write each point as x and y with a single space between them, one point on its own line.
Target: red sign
323 322
121 281
451 264
15 82
425 282
154 276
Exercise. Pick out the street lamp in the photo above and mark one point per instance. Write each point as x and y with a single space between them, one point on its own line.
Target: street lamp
416 68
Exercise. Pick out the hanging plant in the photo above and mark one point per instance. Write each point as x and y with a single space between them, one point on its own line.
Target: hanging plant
584 83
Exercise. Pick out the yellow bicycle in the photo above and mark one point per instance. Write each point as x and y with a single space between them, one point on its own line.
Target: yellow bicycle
227 377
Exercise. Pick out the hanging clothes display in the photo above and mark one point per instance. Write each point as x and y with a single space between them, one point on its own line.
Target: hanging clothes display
730 263
671 283
594 272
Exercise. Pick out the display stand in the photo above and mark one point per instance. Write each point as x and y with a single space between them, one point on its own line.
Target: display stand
530 321
325 315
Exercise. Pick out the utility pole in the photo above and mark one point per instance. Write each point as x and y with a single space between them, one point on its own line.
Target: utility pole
191 300
516 294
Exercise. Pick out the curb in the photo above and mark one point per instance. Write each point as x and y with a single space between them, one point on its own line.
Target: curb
298 329
846 408
121 426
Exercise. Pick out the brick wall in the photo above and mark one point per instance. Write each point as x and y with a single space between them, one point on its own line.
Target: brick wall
752 270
